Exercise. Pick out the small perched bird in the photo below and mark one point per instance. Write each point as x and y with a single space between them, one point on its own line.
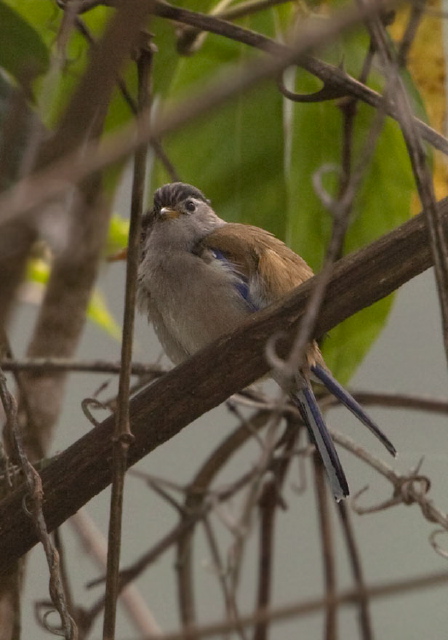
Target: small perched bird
200 277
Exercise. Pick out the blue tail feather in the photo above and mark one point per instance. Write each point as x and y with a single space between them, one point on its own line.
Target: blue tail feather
352 405
306 402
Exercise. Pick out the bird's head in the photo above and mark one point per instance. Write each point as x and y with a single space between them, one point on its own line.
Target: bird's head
180 217
181 214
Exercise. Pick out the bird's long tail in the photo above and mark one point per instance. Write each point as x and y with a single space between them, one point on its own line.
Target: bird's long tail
305 401
352 405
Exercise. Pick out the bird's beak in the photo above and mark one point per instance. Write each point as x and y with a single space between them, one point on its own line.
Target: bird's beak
121 255
169 213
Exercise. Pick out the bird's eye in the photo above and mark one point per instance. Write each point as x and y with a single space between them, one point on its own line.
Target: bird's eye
190 206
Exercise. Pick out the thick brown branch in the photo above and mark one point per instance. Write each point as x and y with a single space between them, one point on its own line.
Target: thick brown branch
162 410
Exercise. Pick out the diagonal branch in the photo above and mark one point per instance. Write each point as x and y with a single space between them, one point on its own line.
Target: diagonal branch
337 82
163 409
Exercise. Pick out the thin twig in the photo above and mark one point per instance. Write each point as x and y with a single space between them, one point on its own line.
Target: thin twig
417 10
340 208
187 42
268 505
80 366
131 573
328 551
243 527
69 170
365 622
133 106
334 78
122 433
407 488
405 401
94 544
248 8
209 500
396 93
309 607
35 493
194 502
231 605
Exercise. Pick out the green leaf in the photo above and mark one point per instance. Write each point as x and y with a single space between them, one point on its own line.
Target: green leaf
117 237
69 65
56 88
166 57
166 35
99 313
42 16
235 155
382 203
38 271
14 133
22 51
347 344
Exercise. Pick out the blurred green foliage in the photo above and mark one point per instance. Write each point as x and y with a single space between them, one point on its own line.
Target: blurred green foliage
38 273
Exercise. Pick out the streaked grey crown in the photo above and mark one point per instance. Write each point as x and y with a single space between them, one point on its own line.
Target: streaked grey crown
172 194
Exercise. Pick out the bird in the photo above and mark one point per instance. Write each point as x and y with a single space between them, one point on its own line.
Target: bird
200 277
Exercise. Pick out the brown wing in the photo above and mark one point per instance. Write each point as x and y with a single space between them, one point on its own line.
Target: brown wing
257 252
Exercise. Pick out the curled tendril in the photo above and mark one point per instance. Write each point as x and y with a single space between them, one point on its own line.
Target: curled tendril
42 618
92 403
56 631
407 490
380 506
25 506
324 196
437 548
410 489
281 366
327 92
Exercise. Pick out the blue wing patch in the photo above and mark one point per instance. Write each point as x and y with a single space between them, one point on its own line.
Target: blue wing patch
241 284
